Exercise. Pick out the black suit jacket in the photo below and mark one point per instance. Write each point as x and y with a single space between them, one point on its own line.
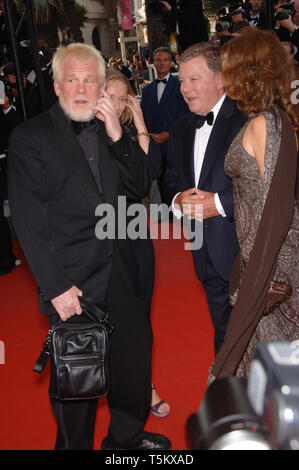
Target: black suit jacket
7 123
262 21
219 235
188 14
53 198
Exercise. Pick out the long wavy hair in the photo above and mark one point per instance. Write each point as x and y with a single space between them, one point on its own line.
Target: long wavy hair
257 72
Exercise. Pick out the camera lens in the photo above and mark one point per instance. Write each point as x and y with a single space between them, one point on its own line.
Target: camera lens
282 15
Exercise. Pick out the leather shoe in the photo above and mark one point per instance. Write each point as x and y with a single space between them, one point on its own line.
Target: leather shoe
150 441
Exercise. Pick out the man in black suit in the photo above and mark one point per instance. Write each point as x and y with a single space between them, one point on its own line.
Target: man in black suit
7 256
9 118
257 16
63 166
195 178
161 101
162 104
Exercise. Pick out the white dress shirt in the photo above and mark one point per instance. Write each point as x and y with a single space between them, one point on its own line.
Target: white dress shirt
201 140
161 86
254 19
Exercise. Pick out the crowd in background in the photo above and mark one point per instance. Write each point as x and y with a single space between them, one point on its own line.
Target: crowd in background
136 65
136 70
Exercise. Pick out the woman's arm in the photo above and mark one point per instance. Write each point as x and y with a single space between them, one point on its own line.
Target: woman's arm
142 134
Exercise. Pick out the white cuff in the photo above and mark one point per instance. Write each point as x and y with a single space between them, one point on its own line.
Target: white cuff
177 212
219 205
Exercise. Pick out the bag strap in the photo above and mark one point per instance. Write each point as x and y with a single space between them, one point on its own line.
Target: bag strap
95 313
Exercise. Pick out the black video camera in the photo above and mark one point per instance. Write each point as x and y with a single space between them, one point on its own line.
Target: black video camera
288 9
225 21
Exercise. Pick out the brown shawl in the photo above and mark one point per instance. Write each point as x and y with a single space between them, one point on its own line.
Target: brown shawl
273 228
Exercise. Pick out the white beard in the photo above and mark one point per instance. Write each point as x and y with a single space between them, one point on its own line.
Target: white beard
78 115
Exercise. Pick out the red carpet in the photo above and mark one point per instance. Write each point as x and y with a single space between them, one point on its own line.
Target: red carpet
183 352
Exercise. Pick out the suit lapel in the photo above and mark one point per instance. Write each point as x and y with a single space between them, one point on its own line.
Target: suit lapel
188 150
216 140
74 157
167 91
155 95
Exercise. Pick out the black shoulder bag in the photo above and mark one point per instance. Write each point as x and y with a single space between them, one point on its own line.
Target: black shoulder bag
79 355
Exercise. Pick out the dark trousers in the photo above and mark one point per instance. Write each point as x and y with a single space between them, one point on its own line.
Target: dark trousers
130 382
145 257
217 292
7 257
161 180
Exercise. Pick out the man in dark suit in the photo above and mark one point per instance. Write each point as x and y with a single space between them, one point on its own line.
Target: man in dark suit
7 256
162 104
195 178
63 165
9 118
257 17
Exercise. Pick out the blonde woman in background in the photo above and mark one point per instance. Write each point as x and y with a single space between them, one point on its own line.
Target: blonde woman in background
118 88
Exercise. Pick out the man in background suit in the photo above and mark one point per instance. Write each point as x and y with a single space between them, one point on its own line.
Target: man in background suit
257 16
7 256
63 166
195 177
9 118
162 104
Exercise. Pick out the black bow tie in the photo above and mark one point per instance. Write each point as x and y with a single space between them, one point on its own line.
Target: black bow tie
164 80
91 126
200 120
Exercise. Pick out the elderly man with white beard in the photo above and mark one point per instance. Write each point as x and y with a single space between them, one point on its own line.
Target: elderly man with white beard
62 166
